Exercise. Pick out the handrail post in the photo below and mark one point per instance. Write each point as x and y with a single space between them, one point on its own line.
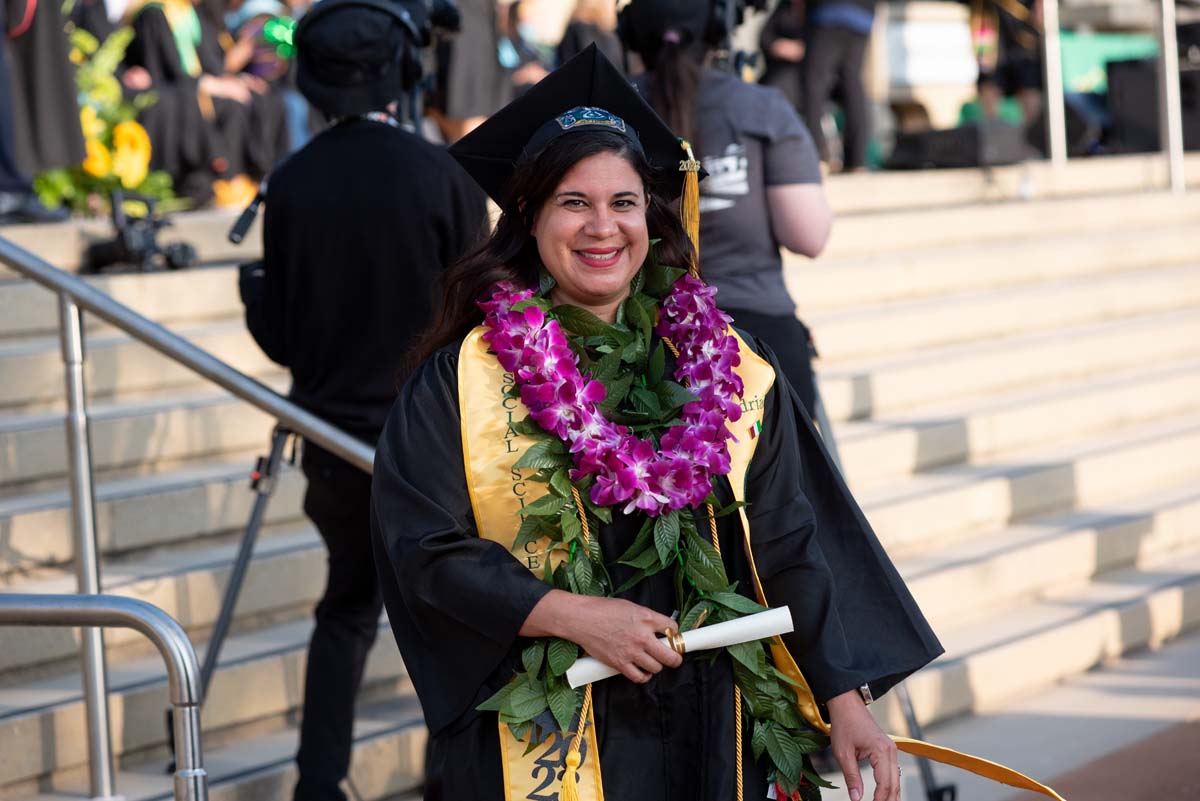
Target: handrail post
102 777
1056 118
183 674
1170 118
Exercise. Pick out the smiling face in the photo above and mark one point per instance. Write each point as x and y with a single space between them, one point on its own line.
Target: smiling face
591 233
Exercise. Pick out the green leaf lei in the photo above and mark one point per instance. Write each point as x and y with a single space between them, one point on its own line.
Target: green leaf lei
643 397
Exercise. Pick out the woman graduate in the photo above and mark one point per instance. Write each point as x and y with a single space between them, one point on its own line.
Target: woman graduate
588 457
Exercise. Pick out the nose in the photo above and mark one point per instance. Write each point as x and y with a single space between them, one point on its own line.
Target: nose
602 223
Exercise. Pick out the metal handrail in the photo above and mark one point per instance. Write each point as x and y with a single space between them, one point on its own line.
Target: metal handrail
93 300
74 296
183 673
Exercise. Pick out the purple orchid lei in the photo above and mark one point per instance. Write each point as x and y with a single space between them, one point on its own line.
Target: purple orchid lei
629 470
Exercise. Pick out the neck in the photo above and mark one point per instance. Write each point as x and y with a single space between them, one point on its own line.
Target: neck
606 311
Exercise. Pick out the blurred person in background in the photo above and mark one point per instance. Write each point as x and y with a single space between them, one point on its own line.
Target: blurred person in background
471 82
39 118
782 45
255 54
763 189
592 22
216 131
359 224
835 46
1017 71
526 61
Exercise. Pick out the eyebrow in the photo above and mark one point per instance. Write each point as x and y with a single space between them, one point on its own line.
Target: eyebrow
573 193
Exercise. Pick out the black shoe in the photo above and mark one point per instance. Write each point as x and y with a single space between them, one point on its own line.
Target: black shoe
17 208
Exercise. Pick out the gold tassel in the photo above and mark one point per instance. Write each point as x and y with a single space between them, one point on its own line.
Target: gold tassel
569 791
689 204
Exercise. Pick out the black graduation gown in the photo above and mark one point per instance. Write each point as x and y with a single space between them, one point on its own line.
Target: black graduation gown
46 129
189 146
456 603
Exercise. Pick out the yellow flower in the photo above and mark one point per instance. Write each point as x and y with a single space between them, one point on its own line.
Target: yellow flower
76 55
131 161
131 167
93 126
130 134
98 163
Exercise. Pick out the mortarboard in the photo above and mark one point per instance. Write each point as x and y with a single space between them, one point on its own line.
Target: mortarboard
586 93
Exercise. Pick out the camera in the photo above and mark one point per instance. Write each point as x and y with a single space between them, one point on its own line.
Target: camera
136 242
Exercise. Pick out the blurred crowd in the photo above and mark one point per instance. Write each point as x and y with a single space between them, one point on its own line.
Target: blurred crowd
212 83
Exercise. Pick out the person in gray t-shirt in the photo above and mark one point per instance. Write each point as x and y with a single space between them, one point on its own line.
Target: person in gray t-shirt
763 189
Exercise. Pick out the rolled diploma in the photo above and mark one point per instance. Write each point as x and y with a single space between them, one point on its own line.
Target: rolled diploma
719 635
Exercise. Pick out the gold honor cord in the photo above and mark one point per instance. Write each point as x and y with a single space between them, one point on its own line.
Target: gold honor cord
498 492
569 789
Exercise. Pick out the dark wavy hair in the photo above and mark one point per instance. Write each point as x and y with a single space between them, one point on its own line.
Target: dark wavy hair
511 254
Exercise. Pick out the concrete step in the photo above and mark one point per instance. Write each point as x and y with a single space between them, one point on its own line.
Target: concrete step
877 451
286 576
32 372
388 762
142 512
1052 553
907 326
1003 657
934 509
1105 718
260 679
882 275
888 231
904 189
882 386
63 244
205 293
172 426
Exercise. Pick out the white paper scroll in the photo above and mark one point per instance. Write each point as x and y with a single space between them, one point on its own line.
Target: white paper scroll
719 635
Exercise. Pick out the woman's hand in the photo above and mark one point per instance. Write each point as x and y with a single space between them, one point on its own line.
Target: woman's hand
619 633
854 736
224 86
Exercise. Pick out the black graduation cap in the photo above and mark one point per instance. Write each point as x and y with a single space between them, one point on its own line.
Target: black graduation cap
585 93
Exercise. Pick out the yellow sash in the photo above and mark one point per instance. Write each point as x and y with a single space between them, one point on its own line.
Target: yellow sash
499 491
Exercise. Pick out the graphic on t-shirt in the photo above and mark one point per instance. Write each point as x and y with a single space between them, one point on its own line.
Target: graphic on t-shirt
728 175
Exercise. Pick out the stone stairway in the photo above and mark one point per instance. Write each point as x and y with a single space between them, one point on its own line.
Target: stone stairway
1015 388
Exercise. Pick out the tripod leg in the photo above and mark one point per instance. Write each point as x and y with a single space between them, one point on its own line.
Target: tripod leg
263 484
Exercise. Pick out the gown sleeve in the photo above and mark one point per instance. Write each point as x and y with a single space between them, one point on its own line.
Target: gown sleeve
855 621
456 602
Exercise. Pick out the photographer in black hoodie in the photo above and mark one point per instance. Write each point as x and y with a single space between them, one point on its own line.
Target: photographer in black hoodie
359 224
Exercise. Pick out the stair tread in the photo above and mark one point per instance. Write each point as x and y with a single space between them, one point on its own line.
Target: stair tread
208 470
1077 289
932 356
939 410
262 754
1109 591
37 696
1015 538
177 560
1029 460
165 400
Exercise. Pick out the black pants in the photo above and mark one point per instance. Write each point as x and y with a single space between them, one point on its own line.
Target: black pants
338 503
792 344
833 58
